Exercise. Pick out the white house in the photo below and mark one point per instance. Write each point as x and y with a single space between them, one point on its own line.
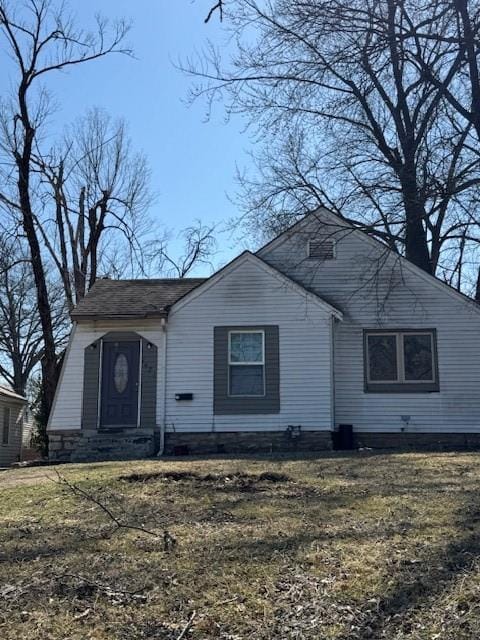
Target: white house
322 327
13 420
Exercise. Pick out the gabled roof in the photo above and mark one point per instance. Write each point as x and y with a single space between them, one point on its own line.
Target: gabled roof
117 299
6 392
124 299
323 214
278 275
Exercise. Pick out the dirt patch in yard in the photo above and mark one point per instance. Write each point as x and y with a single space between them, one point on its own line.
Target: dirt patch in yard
239 481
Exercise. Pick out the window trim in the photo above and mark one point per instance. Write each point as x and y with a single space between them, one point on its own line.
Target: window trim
6 432
242 364
401 385
223 404
329 239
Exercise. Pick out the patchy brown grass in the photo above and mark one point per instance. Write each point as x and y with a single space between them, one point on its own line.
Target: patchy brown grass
340 547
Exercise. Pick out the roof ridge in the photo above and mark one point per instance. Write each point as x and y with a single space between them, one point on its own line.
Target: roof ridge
150 280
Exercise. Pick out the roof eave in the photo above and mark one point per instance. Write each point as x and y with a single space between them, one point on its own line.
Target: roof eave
13 398
110 316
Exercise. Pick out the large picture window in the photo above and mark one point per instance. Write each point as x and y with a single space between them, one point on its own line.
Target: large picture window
246 363
401 361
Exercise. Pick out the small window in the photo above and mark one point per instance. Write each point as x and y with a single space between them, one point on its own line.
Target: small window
401 360
321 248
6 425
246 363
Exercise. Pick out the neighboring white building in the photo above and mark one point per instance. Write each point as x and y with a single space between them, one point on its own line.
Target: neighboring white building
12 413
324 326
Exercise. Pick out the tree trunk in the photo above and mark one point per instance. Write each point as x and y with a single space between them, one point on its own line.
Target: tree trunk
416 244
461 7
23 160
49 359
477 289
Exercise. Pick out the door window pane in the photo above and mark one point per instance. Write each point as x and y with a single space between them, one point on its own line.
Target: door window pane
246 380
382 358
417 353
120 373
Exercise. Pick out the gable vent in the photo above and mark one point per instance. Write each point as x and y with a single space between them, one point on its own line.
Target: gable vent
321 248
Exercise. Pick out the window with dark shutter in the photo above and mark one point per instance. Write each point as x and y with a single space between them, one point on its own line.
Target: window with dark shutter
246 370
322 248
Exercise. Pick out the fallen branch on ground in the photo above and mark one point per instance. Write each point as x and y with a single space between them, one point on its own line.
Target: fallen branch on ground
186 628
168 540
100 586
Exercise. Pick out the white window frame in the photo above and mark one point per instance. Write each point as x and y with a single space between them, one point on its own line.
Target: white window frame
399 341
334 248
242 364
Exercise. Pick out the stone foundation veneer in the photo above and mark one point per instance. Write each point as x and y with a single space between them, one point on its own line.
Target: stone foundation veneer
62 444
417 441
251 442
78 446
92 446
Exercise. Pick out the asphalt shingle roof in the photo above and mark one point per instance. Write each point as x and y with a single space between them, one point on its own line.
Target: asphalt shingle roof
133 298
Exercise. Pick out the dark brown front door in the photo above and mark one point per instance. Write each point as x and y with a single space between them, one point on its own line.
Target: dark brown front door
119 390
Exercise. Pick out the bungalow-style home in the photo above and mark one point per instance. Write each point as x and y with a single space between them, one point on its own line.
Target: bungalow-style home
13 409
324 328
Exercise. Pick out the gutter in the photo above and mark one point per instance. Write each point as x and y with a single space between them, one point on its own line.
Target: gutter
164 389
89 317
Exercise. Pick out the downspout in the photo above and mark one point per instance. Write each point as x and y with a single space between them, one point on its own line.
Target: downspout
333 322
164 388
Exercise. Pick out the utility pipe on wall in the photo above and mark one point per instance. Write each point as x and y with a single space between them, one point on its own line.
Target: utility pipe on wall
164 388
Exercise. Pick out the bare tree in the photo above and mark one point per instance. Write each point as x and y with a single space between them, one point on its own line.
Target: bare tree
337 86
98 189
198 247
454 27
21 338
218 6
41 38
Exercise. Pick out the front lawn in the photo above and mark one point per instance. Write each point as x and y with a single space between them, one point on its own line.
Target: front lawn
340 547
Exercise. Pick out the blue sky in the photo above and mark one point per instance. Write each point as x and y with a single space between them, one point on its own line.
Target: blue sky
192 161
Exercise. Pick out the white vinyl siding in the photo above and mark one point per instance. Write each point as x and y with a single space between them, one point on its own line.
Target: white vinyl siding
399 298
67 410
7 417
248 295
11 431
